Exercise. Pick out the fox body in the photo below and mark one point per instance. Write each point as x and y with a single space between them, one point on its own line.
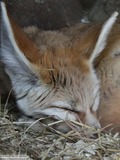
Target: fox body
109 75
62 73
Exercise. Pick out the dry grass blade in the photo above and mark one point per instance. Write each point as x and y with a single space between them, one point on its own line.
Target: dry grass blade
41 141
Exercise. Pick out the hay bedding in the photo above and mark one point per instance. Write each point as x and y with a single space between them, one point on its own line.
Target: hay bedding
26 140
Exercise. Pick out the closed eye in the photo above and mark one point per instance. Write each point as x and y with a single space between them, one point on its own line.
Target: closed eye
61 104
65 108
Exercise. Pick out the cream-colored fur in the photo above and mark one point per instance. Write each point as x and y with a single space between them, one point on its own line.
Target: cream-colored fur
109 73
60 73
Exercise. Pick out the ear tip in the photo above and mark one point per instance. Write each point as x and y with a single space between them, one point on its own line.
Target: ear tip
115 14
2 1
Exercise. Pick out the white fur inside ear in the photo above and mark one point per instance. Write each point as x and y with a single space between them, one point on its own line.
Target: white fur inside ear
18 68
101 42
6 27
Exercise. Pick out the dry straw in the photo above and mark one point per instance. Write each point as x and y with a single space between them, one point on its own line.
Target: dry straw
42 141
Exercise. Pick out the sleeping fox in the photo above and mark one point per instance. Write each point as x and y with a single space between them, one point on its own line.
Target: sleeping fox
69 74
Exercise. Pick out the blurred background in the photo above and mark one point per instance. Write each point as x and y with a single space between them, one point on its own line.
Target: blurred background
54 14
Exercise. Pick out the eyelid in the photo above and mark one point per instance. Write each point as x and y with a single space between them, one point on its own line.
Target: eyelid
61 104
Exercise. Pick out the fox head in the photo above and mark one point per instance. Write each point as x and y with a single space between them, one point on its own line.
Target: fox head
53 78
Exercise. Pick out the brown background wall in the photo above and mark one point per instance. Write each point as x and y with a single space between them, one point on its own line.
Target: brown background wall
54 14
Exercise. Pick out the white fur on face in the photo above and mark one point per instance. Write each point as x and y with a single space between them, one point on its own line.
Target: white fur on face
58 113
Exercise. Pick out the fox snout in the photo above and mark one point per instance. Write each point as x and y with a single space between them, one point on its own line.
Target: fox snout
89 119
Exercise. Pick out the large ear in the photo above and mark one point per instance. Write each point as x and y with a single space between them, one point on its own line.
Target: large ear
17 52
102 38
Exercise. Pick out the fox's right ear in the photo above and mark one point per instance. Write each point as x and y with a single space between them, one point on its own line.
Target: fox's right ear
102 38
17 53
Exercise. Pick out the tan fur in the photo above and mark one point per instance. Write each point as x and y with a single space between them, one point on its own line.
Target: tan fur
108 69
51 52
48 42
109 73
28 47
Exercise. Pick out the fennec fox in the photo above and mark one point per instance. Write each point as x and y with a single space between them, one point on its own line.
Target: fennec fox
53 72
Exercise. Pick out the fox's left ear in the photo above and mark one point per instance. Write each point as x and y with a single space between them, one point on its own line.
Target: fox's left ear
19 56
102 38
18 53
13 36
